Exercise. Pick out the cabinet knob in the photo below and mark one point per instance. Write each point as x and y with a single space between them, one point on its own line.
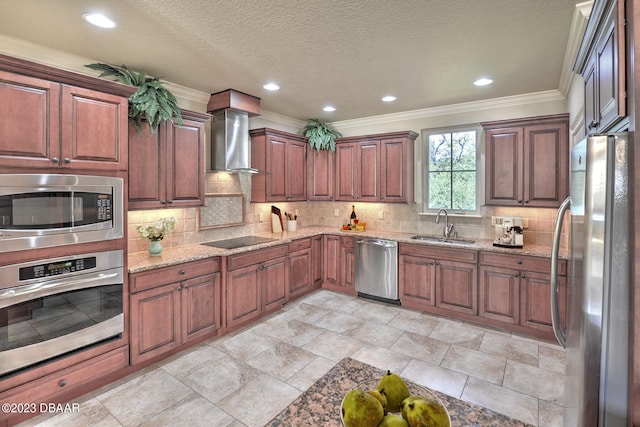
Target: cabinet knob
67 160
526 201
183 272
169 201
164 202
62 383
516 275
55 160
519 262
519 200
178 288
524 276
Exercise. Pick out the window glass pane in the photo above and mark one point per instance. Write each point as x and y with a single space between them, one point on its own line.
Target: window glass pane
463 149
440 152
463 191
439 190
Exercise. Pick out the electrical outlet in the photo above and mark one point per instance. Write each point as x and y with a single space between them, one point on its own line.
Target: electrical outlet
381 215
525 222
297 212
261 216
336 212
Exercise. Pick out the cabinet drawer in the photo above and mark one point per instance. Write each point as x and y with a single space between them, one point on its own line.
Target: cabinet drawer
347 242
296 245
255 257
43 390
522 262
175 273
438 253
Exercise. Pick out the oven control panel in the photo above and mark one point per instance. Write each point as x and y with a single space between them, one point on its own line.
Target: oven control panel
57 268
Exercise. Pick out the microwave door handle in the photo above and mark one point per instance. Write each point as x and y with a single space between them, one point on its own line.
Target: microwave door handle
560 334
12 296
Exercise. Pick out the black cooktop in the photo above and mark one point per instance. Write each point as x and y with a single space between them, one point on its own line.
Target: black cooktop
238 242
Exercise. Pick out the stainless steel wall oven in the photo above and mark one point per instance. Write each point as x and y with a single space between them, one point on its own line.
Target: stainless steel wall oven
55 306
44 210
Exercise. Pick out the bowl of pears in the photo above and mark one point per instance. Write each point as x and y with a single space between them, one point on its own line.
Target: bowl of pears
392 402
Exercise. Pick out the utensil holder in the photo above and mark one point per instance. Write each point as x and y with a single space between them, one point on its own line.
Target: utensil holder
292 225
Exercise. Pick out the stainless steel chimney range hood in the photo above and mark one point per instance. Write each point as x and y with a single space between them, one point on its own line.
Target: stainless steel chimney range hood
230 141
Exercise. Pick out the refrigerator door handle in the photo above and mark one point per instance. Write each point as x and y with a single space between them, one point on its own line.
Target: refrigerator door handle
561 335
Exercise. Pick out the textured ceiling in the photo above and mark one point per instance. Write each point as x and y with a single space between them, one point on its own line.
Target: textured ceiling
341 52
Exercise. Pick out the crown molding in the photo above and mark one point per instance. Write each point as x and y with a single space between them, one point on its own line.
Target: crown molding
576 33
465 107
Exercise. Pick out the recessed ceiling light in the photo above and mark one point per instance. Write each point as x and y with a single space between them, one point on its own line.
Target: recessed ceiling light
271 86
483 82
99 20
329 108
389 98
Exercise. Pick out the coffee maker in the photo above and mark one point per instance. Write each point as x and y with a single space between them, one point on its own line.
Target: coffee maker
508 232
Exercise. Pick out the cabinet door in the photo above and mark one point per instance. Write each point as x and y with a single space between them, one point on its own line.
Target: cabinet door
244 297
347 172
331 267
295 167
29 121
591 109
499 294
200 313
395 172
504 166
275 284
185 163
347 263
155 322
300 272
94 129
320 174
316 261
416 279
147 174
277 176
535 307
368 186
546 159
456 286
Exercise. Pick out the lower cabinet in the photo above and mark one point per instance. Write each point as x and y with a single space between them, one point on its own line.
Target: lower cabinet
173 305
331 261
300 264
437 279
514 290
257 283
317 252
347 263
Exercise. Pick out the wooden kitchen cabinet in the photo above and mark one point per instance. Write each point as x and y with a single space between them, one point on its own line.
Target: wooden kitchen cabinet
514 290
320 174
375 168
317 252
601 62
527 161
173 305
339 264
347 263
49 125
166 168
331 261
281 158
257 284
440 280
300 264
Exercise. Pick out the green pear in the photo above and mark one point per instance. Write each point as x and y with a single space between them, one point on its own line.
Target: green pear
423 412
381 397
360 409
396 390
393 421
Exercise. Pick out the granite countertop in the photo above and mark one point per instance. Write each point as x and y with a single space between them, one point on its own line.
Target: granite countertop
320 404
141 261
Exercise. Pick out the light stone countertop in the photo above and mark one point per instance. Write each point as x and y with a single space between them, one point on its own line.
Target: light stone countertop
141 261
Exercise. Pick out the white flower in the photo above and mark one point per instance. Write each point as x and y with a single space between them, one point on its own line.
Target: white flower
158 230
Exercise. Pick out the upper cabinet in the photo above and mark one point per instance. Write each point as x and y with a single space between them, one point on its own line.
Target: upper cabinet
45 123
527 161
280 158
375 168
320 174
601 61
166 168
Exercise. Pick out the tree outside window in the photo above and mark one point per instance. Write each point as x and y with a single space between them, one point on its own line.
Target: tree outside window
451 166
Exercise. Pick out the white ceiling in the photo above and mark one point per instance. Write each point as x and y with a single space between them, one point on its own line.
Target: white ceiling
348 53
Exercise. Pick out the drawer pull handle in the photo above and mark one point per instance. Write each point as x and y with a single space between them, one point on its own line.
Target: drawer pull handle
183 272
62 383
519 262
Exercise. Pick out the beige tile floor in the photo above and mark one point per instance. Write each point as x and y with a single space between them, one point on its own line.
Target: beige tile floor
246 378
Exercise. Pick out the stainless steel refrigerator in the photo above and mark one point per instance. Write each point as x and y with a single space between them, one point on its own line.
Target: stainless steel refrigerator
597 321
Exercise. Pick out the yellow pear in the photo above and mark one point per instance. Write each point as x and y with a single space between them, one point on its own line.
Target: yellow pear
360 409
396 390
423 412
381 397
393 421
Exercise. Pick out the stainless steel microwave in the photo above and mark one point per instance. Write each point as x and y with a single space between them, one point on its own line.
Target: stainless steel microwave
45 210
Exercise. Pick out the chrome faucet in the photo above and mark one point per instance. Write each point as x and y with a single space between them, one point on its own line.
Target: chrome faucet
448 228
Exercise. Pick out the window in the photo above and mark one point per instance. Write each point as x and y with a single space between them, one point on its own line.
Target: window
451 160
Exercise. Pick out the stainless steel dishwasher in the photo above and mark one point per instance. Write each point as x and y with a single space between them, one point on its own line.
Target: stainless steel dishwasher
377 269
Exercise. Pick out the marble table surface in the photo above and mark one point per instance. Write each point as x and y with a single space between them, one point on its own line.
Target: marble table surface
320 404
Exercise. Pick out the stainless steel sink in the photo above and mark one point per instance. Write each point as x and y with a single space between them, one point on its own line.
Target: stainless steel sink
442 239
238 242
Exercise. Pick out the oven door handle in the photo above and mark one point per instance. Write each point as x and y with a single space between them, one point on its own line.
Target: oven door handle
19 294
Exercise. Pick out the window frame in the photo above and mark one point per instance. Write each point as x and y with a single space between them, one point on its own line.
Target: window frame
425 133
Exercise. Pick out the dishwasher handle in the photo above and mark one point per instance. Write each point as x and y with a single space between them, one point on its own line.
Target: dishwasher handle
377 243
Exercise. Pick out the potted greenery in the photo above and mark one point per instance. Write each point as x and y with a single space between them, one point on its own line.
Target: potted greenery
320 135
152 101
